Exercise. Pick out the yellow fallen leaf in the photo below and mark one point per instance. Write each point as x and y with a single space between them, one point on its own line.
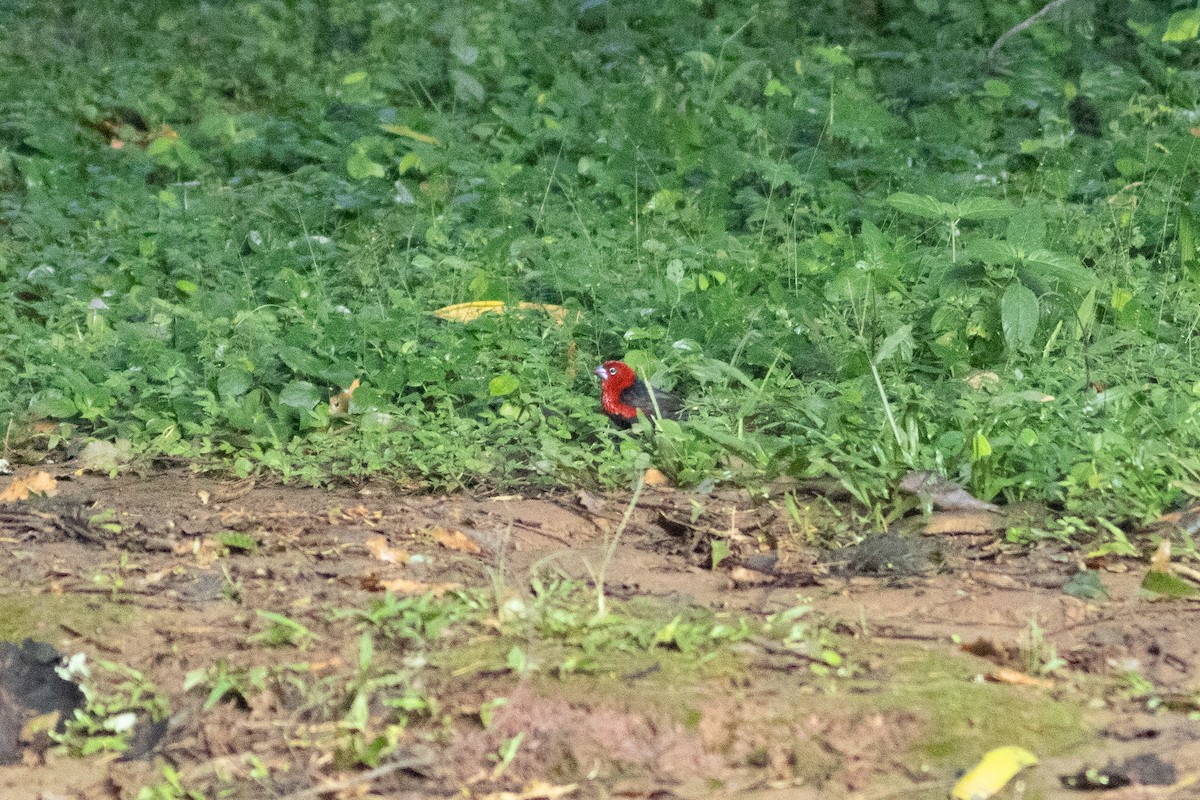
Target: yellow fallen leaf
455 540
538 790
466 312
655 477
378 547
1017 678
406 586
36 483
993 773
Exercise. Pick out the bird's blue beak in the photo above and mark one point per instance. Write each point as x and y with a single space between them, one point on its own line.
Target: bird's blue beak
601 371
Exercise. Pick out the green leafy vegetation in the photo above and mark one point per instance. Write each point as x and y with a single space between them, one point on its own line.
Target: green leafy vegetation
854 241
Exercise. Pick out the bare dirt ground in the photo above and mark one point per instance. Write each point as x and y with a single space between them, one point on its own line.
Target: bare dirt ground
149 573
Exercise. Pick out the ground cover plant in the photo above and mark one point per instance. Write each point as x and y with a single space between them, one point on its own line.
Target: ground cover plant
856 244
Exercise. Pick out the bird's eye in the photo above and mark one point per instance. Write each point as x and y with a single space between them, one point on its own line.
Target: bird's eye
612 370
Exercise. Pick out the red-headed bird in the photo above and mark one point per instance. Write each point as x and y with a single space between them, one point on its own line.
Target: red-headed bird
623 394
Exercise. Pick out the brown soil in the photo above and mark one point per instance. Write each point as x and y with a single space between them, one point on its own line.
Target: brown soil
158 592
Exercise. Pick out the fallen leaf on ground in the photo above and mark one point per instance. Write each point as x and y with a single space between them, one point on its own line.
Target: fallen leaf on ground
1017 678
537 790
378 547
993 773
406 586
749 577
456 540
654 477
1159 584
21 487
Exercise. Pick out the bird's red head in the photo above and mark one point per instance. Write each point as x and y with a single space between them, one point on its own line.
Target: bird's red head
615 378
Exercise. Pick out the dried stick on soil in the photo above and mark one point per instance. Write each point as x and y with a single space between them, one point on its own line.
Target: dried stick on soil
361 778
1020 26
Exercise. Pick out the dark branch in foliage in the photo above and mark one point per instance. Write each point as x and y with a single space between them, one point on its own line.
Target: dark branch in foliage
1020 26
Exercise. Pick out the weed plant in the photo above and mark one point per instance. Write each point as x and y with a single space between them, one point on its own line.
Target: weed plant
854 242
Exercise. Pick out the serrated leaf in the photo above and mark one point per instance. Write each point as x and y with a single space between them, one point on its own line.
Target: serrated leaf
1019 314
920 205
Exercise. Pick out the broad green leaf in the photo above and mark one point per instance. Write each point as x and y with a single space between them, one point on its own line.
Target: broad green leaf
1183 26
996 88
675 271
300 361
920 205
503 385
1027 227
774 87
300 395
980 446
984 208
900 338
720 551
53 404
360 166
1056 267
1018 315
993 251
1164 584
233 382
